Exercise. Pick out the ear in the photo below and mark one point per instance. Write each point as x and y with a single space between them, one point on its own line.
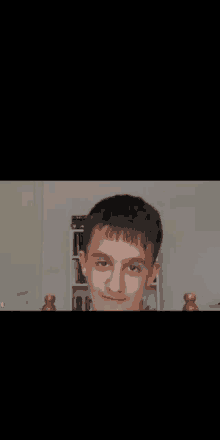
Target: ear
155 272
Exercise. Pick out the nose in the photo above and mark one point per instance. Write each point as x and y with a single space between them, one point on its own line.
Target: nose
116 282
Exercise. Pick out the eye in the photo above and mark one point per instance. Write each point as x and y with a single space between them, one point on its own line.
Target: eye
101 263
133 267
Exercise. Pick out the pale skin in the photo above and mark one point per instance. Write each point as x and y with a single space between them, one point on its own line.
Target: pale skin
116 283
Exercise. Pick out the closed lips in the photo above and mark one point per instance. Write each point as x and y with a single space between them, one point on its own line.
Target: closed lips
114 299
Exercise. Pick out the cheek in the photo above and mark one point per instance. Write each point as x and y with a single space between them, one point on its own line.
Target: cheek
133 284
99 279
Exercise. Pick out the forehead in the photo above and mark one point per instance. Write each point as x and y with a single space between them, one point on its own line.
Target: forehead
119 250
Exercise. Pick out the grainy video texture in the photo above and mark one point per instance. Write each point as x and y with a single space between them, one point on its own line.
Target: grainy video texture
109 246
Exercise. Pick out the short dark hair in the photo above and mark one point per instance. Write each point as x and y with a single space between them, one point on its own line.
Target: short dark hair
127 216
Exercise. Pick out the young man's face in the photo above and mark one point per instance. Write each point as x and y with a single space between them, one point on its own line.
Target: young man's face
115 282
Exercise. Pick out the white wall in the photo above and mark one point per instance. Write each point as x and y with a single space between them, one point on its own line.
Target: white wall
35 224
21 245
191 247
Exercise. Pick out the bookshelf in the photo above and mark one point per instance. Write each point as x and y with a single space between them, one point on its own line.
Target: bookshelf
77 279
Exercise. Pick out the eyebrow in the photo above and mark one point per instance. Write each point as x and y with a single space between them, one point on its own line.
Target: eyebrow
127 260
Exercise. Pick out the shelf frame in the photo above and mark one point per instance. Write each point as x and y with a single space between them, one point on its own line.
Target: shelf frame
72 258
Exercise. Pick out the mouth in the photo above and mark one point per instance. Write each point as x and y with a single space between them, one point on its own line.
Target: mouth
113 299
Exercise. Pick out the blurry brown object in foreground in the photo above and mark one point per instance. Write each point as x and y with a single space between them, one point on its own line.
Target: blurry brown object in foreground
190 305
49 303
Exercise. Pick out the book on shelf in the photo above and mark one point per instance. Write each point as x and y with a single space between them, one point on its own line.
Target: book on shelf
87 303
80 278
78 221
80 240
83 279
79 302
76 244
75 271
